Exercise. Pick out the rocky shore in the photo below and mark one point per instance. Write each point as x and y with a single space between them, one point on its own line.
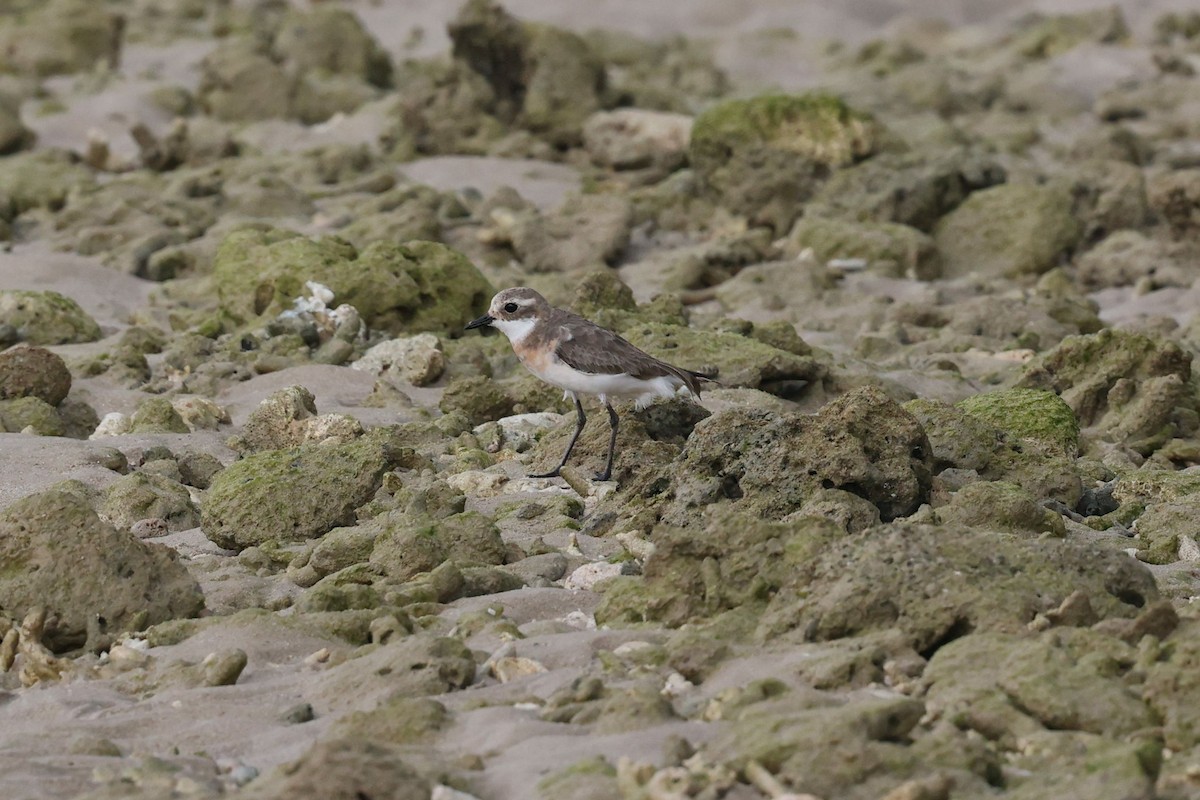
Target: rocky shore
265 525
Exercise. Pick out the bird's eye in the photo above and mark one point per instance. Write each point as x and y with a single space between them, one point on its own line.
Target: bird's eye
511 308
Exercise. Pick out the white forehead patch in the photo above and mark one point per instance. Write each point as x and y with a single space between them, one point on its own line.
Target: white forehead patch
515 329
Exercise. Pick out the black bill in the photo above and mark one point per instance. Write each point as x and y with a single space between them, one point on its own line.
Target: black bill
482 322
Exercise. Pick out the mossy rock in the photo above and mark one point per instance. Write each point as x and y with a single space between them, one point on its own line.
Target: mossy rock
960 440
957 440
763 157
96 576
898 249
410 288
397 720
157 415
1173 687
480 399
1165 527
1028 414
996 505
1011 685
142 495
565 85
731 358
296 494
33 372
912 188
738 561
410 545
1007 231
61 36
1127 388
331 765
849 750
31 412
331 41
46 318
240 84
591 779
933 584
771 464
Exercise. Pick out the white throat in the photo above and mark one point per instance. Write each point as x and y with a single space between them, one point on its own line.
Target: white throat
515 329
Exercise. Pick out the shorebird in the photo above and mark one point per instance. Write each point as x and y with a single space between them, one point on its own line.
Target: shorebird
580 357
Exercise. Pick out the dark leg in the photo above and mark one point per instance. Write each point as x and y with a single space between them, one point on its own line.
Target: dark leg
579 423
612 443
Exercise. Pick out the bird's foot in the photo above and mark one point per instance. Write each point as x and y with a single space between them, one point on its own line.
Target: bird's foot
554 473
603 476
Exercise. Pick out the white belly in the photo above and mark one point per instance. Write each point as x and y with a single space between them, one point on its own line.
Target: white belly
557 373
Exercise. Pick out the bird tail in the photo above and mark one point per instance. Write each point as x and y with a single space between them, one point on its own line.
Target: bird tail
694 380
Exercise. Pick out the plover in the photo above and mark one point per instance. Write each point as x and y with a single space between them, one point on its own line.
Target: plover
580 357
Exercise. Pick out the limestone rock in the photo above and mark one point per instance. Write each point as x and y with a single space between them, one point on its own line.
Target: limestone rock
408 546
47 318
142 494
1125 387
33 372
400 288
774 463
62 36
96 573
586 231
418 360
1007 230
764 156
294 494
634 138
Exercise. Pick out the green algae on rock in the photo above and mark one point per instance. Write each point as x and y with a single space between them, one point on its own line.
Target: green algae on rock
295 494
397 720
1127 388
915 189
903 251
44 318
1006 686
33 372
935 585
31 413
143 495
39 179
545 79
480 399
1028 414
1000 506
14 135
157 415
332 41
1007 230
1173 686
739 560
773 463
96 574
591 779
60 36
1168 532
331 765
732 359
399 288
965 441
408 545
764 156
288 418
858 747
